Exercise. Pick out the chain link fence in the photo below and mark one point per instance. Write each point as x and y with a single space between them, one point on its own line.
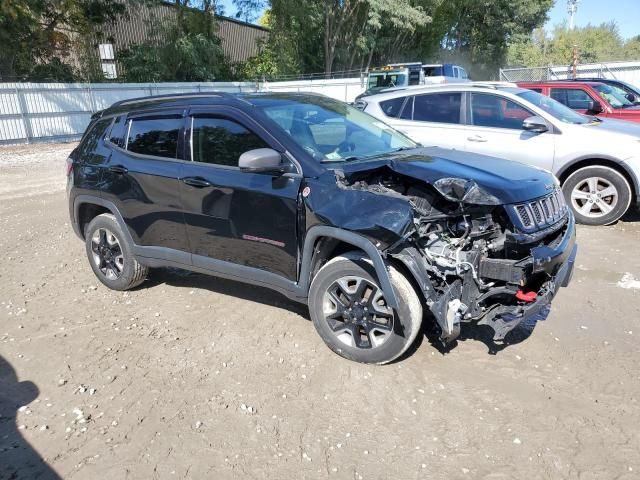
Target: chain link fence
626 71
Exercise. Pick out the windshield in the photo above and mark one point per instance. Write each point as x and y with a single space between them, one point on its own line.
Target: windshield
555 108
386 80
332 131
613 95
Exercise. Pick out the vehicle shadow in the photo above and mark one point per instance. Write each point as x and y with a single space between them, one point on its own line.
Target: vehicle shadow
18 459
632 215
182 278
484 334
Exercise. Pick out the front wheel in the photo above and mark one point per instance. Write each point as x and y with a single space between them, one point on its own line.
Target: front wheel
349 311
597 195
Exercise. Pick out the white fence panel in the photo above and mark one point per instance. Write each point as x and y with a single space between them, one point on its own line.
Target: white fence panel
344 89
46 112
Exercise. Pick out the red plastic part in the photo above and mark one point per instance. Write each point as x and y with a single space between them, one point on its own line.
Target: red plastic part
526 297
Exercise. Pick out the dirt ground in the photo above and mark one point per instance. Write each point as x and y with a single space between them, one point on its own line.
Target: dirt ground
196 377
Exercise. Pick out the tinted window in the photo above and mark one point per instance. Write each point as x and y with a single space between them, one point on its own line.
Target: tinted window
221 141
154 136
391 108
95 133
572 98
437 107
498 112
118 133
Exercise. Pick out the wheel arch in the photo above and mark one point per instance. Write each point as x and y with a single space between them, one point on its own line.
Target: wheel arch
87 207
323 243
601 161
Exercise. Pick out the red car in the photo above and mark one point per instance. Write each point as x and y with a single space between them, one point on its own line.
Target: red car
591 98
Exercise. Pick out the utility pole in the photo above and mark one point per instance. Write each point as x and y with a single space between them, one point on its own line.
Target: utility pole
572 7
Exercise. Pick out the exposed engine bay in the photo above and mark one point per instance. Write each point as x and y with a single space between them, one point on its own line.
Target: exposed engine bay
468 253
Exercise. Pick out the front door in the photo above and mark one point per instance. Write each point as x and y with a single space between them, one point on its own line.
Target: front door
247 219
495 129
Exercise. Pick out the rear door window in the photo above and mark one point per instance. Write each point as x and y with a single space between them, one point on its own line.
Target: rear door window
155 136
497 112
437 107
391 108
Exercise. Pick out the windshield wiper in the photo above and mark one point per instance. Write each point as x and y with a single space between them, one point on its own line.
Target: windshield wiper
332 160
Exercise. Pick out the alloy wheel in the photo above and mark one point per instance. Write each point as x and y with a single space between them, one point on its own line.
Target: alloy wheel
356 312
594 197
107 253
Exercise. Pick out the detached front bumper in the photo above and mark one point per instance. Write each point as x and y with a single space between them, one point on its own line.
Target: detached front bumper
556 260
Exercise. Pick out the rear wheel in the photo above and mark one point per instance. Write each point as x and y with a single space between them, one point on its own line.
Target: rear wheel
597 195
350 312
110 256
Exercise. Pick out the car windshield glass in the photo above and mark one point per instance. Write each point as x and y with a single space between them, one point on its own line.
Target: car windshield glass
613 95
553 107
387 80
332 131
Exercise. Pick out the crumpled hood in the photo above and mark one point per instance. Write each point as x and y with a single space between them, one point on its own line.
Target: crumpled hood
507 181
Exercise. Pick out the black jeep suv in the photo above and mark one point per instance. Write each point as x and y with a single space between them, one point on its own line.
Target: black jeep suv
324 204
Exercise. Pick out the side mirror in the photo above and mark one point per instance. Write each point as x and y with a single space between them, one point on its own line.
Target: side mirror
535 123
595 107
261 160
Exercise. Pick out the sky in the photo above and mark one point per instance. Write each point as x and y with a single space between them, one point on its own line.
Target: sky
624 12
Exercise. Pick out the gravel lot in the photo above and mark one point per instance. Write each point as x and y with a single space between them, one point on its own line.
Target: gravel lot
195 377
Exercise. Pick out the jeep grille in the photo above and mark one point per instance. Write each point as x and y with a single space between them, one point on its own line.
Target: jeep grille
542 212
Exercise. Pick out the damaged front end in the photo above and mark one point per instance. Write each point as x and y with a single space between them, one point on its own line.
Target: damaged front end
475 258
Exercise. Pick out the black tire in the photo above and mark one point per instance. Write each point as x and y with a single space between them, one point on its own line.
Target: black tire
112 260
405 322
605 177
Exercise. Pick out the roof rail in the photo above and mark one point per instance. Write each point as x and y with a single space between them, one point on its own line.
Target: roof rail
494 85
169 96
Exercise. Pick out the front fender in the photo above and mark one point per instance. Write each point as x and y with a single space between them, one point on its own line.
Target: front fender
317 232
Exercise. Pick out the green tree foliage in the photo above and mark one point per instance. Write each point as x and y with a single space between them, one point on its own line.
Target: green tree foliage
36 36
187 50
332 35
595 43
477 33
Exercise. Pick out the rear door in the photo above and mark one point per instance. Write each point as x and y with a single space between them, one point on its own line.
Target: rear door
243 218
433 119
141 179
495 129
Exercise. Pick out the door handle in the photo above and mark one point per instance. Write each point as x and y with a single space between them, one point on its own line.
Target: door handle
477 138
118 169
197 182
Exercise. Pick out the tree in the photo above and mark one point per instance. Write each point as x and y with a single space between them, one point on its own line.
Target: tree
36 35
188 50
595 43
478 33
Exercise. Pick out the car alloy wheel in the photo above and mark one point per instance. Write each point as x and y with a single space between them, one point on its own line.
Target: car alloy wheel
107 253
594 197
356 312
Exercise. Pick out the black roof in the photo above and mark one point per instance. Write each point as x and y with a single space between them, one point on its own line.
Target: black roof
204 98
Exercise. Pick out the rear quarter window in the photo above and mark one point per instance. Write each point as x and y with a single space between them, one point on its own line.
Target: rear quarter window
392 107
92 138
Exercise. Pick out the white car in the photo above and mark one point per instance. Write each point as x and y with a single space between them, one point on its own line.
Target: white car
596 160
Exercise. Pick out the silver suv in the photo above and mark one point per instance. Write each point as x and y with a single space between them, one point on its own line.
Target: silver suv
596 160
